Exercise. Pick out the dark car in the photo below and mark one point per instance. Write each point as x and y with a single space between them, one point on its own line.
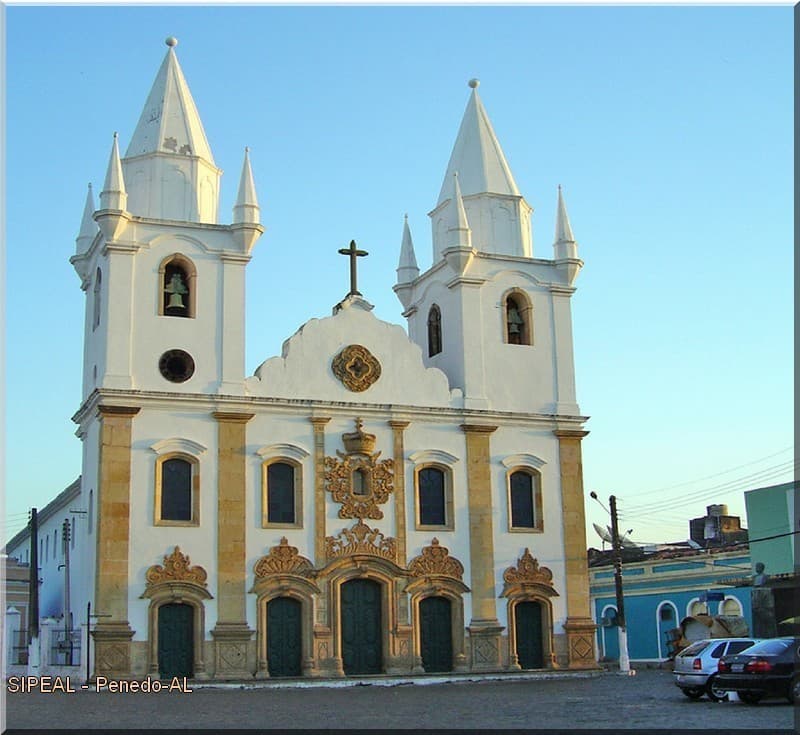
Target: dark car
768 668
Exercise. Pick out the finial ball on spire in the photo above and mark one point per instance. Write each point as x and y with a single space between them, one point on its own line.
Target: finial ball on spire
474 83
171 41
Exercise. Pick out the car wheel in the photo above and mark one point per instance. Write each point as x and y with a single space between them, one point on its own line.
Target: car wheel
751 697
715 694
693 693
794 690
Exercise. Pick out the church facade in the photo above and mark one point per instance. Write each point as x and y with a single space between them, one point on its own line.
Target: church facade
371 501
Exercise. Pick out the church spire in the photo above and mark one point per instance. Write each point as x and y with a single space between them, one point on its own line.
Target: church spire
88 226
169 122
169 167
114 195
563 227
246 208
477 155
407 269
458 230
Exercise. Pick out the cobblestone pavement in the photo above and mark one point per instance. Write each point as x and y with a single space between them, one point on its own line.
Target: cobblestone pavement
597 701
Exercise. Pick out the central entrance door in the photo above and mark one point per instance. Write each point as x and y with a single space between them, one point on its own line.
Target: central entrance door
436 634
175 640
284 644
362 650
528 630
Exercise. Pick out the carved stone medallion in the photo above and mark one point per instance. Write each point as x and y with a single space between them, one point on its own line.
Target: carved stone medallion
435 560
283 559
528 571
176 569
356 367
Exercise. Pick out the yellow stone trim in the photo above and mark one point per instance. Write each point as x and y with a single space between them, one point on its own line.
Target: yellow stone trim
194 462
538 510
231 516
297 492
481 547
398 429
319 423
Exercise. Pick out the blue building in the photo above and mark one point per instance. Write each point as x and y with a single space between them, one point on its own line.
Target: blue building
660 590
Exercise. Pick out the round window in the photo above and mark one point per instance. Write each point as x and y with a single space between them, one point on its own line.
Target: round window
176 366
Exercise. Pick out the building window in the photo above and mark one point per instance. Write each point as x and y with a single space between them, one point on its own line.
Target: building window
434 497
730 606
525 500
90 514
281 495
98 284
434 331
517 315
177 281
177 491
47 547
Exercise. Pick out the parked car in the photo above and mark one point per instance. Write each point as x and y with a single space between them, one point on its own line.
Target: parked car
768 668
695 667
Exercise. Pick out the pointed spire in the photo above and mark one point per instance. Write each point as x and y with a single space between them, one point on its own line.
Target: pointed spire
169 122
88 226
563 227
458 229
114 195
407 269
246 208
477 155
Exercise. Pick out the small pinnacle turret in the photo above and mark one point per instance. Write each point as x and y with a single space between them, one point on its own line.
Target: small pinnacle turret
246 208
407 269
88 226
114 196
563 227
458 230
565 247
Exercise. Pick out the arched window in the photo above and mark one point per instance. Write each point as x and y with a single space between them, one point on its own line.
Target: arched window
434 331
525 500
360 482
730 606
517 314
177 278
90 514
281 493
177 491
434 497
98 285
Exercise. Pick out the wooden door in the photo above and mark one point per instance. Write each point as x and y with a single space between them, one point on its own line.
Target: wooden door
284 637
175 640
528 631
436 634
362 633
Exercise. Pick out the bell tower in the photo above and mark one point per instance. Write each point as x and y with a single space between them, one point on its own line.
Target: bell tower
491 315
164 281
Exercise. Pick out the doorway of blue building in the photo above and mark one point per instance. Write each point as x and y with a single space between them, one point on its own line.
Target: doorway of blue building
175 640
284 642
528 634
362 648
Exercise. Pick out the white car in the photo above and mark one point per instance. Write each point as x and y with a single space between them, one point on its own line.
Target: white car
695 667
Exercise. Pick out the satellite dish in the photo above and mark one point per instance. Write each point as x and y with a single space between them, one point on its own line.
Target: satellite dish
693 544
602 533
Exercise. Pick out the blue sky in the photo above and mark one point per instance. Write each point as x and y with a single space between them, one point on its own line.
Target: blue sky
670 129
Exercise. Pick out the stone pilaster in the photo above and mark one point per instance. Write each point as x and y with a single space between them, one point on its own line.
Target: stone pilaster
579 627
484 628
112 635
231 633
400 488
319 422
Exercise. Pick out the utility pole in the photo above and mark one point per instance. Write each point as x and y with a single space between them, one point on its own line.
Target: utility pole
624 660
67 622
33 590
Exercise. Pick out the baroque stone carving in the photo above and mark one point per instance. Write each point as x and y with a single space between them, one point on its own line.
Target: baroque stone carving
283 559
361 539
528 571
176 569
358 441
356 367
435 560
377 477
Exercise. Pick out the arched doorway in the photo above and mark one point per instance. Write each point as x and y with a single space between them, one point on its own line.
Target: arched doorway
436 634
528 634
284 637
175 640
362 648
667 621
610 635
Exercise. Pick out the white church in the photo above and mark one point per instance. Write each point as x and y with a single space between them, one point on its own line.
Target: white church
371 501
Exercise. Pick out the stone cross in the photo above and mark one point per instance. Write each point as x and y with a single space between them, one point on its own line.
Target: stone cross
354 253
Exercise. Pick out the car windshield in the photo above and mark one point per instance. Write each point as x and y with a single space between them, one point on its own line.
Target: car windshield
768 648
695 648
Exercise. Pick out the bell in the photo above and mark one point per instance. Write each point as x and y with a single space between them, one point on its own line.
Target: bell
176 301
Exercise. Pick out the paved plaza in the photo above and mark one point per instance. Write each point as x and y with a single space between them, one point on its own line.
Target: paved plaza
597 701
